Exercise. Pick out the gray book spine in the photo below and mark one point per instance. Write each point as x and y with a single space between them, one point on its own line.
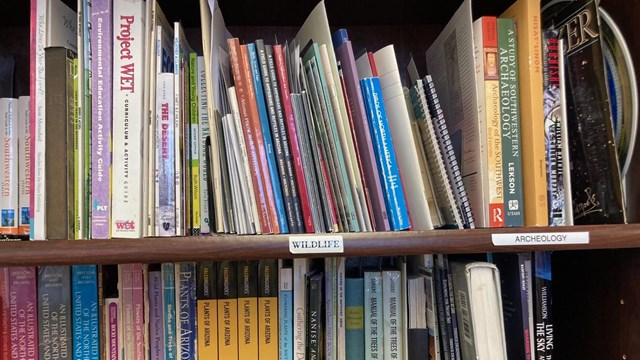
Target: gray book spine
54 312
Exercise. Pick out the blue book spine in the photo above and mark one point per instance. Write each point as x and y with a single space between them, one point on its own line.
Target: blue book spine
339 37
354 324
286 314
169 305
86 331
156 326
268 142
373 325
385 153
186 314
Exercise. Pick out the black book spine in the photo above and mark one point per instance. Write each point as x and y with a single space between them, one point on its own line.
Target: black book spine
418 344
444 319
282 127
544 332
54 312
315 328
454 318
511 285
206 281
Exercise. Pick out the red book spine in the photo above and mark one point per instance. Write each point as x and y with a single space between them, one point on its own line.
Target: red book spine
250 135
293 138
254 118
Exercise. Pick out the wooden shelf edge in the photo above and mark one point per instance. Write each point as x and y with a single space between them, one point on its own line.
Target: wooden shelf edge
228 247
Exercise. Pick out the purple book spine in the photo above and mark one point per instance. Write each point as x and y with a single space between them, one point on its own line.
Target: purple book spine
156 328
344 55
113 342
24 313
101 69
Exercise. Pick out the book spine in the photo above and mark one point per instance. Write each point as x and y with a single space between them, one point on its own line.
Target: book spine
354 322
247 309
186 311
486 49
454 317
330 316
544 321
169 305
341 308
268 309
178 130
510 120
391 315
128 67
292 132
207 316
165 191
300 269
5 315
23 300
228 337
37 198
156 326
24 164
444 312
84 285
315 332
101 107
85 189
527 16
77 164
194 144
272 137
125 292
54 312
256 99
526 280
112 327
9 195
203 133
385 154
138 307
373 341
285 300
253 137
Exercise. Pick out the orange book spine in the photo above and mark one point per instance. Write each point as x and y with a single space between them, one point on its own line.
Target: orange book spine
254 147
262 153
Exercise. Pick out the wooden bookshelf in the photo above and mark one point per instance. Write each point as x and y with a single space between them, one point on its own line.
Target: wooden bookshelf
225 247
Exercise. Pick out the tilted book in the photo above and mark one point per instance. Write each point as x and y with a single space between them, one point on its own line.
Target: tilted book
128 69
102 108
55 312
385 154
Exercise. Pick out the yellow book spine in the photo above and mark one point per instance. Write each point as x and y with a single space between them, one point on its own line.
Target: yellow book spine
248 328
228 329
208 329
527 16
268 328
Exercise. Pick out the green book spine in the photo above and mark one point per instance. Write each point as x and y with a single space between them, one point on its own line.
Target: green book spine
510 119
194 154
77 136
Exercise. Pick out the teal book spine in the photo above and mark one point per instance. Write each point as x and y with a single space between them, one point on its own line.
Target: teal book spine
86 330
268 142
510 119
169 303
186 311
286 314
354 323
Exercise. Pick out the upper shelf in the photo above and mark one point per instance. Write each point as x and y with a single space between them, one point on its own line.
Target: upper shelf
228 247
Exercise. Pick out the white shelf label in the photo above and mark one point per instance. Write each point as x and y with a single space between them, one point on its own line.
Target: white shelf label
321 244
550 238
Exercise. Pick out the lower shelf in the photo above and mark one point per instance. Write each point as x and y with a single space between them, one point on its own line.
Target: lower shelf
225 247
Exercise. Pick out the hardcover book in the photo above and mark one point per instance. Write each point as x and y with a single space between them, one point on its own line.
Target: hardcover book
595 174
101 107
55 312
128 69
84 287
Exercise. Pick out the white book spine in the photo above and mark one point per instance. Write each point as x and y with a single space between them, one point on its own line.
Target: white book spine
392 315
300 269
178 132
203 120
24 163
128 64
9 184
341 350
373 347
165 197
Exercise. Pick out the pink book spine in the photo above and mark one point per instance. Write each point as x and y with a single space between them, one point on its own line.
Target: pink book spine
137 296
125 279
24 313
285 94
344 54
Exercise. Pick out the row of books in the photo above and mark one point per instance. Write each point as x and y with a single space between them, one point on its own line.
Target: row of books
426 307
306 137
